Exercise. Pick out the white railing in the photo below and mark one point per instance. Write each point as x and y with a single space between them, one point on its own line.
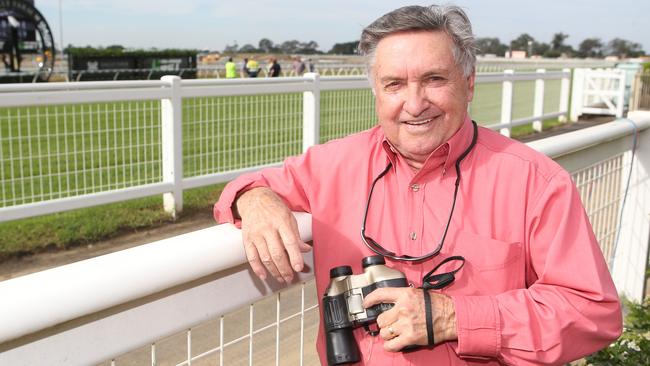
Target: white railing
598 92
72 145
98 309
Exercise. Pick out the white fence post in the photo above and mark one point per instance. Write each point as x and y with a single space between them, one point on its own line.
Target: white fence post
577 93
564 95
538 107
172 146
631 254
506 102
311 112
620 105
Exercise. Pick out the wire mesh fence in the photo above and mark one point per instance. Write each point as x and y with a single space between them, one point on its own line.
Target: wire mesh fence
600 187
50 152
228 133
345 112
280 329
69 150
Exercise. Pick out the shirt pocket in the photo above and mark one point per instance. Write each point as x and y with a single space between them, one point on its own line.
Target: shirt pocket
491 266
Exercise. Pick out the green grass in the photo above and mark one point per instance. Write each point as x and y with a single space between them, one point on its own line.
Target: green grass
54 152
88 225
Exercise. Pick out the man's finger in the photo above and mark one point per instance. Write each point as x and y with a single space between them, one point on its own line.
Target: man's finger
388 332
292 244
383 295
279 256
304 247
395 344
266 259
254 259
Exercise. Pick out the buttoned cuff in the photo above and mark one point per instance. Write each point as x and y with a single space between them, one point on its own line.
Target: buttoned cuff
223 209
478 326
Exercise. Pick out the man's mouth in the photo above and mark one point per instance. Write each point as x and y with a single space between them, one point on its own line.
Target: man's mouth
418 122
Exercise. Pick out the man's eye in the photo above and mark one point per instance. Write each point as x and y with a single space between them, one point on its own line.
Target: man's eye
392 85
433 79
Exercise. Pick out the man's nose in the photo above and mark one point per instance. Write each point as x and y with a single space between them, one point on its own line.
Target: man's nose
415 100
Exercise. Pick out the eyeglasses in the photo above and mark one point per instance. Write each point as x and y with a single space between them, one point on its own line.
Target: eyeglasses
377 248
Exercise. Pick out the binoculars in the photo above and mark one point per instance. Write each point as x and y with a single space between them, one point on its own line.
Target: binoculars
343 305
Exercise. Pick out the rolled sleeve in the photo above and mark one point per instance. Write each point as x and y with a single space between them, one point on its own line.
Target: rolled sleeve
222 210
288 182
478 326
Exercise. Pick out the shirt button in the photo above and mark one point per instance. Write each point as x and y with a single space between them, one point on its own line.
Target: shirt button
415 187
413 235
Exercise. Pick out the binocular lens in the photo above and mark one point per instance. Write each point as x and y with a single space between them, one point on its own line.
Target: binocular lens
342 347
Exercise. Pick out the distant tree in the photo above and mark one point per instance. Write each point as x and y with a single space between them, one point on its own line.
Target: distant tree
248 48
558 47
289 47
266 45
590 47
308 48
116 48
490 46
522 43
526 42
347 48
231 48
542 48
624 48
558 41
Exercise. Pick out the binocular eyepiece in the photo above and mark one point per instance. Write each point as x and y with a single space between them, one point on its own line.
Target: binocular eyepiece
343 305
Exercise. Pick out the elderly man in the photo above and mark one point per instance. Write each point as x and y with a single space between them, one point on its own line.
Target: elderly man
429 187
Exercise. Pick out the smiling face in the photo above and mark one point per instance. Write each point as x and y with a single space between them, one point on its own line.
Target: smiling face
421 93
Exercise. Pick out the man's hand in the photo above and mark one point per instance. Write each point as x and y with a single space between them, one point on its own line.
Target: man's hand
270 232
405 324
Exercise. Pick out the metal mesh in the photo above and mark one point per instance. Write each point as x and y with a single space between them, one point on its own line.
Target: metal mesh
601 192
227 133
280 329
343 112
51 152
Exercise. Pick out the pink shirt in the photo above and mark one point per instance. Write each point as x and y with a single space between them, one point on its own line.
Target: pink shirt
535 287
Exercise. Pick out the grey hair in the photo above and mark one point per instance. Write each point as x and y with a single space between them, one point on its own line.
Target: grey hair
446 18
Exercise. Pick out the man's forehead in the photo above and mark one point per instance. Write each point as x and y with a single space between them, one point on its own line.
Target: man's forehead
422 53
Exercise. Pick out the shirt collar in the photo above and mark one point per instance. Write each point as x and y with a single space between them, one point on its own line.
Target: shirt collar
446 154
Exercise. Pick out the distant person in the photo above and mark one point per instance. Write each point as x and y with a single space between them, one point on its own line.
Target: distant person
244 68
298 66
231 69
274 69
253 68
310 65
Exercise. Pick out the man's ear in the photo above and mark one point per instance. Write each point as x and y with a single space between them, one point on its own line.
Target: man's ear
470 86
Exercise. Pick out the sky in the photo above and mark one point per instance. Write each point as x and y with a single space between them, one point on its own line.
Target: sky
211 25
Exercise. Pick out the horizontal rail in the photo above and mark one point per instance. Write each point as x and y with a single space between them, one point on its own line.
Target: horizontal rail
564 144
106 91
59 97
45 299
73 203
497 77
86 85
246 89
208 179
526 120
347 82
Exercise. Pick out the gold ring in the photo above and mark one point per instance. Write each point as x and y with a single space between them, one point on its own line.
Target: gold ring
390 330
